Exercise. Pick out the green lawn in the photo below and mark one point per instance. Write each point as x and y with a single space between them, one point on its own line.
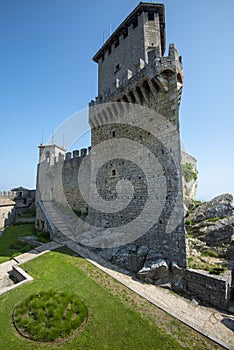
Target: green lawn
114 319
10 246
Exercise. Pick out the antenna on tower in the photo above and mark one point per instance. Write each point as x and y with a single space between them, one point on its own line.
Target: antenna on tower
104 36
63 140
42 136
52 140
110 29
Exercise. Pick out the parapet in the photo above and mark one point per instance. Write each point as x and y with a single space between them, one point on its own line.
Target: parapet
7 194
151 76
77 154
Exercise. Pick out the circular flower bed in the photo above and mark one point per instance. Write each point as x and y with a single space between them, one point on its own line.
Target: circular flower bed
49 315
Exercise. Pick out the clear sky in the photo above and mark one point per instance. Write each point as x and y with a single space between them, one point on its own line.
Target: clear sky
47 74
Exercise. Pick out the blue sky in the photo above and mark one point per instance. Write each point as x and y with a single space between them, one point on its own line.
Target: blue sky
47 74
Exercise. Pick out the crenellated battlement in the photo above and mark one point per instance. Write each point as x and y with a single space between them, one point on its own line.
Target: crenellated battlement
77 154
150 77
7 194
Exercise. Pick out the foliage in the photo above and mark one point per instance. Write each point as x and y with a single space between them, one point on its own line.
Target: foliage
212 268
189 222
29 213
49 315
188 172
211 253
42 236
213 219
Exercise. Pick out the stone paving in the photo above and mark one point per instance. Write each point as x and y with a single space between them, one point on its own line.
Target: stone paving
215 324
6 283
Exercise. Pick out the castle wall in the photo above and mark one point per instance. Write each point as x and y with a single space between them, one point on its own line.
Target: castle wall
7 212
212 290
70 174
158 87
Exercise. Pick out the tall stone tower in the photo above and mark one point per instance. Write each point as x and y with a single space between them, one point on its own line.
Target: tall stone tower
132 69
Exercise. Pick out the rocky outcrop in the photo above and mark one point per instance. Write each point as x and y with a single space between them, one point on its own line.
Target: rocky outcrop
189 177
211 226
230 251
155 270
220 207
130 257
221 232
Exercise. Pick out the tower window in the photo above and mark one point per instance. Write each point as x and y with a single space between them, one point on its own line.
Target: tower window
113 172
135 22
117 67
151 16
125 33
113 133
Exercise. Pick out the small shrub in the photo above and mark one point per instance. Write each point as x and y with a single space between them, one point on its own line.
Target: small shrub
189 172
29 213
214 219
189 222
210 253
47 316
42 236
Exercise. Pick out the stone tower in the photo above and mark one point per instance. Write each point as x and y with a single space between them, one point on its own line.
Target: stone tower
132 69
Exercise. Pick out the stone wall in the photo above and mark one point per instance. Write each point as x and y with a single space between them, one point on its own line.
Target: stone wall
157 86
209 289
70 173
7 212
128 48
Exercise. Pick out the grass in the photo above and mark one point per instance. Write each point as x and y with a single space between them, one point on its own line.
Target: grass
211 253
49 315
29 213
118 318
212 268
10 245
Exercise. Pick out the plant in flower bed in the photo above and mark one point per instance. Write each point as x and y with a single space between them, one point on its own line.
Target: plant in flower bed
49 315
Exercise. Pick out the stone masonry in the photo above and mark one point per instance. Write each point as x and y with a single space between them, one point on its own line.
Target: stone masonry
132 69
139 92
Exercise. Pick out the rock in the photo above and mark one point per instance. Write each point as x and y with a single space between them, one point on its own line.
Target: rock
154 271
141 256
230 251
175 269
219 233
220 206
130 257
142 251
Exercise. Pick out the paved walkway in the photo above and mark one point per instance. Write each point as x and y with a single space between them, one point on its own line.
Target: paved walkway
6 283
216 325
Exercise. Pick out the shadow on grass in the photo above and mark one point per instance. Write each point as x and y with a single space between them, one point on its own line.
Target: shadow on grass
11 245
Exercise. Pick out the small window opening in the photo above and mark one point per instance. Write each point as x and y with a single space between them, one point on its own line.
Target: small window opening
117 68
125 33
150 16
113 133
135 22
113 172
